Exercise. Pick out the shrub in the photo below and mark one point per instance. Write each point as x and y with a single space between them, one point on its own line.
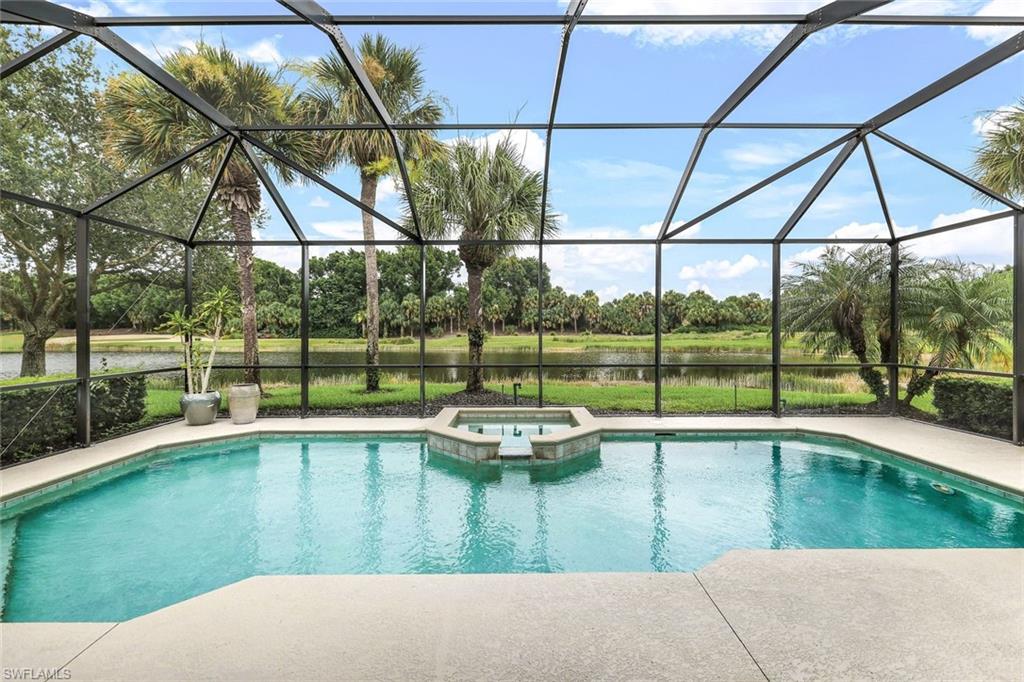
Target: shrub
983 405
116 402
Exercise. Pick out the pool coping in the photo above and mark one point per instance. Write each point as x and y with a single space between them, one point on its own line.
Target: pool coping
445 437
979 460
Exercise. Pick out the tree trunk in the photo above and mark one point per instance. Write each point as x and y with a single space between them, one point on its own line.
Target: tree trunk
33 347
368 195
869 375
474 330
575 326
242 225
919 384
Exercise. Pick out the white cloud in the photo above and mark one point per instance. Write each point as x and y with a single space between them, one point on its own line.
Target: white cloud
992 35
722 269
764 36
626 169
263 51
319 202
758 154
653 229
990 122
698 286
528 142
93 8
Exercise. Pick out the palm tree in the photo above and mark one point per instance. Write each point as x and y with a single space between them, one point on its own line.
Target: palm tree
480 192
334 97
834 301
999 161
963 317
145 126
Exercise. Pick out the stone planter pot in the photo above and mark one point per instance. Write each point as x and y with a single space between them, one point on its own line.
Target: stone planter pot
200 409
243 403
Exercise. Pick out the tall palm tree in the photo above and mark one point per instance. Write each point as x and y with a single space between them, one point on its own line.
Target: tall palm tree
839 303
477 192
334 97
963 317
146 126
999 161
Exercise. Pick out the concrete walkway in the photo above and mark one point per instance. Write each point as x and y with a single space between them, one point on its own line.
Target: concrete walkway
751 615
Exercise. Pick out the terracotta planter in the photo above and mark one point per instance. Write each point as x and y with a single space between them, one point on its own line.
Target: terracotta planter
243 403
200 409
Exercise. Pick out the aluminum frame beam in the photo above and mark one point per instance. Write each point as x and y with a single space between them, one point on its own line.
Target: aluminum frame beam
41 50
877 181
538 20
275 195
1018 328
815 21
825 149
317 16
818 187
217 176
162 168
70 20
572 16
326 184
952 172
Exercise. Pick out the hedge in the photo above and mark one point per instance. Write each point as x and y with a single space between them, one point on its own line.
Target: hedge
116 403
982 405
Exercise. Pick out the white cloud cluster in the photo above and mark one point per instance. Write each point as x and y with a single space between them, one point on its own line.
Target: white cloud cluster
993 35
759 154
722 269
988 123
989 243
319 202
768 36
527 142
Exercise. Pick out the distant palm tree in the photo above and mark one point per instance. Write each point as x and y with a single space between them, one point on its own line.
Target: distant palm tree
999 161
837 303
479 192
963 316
146 126
334 97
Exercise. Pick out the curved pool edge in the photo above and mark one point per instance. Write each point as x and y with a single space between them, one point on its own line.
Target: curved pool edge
869 613
980 460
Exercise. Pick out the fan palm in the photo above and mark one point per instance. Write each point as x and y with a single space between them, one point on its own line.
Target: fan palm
146 126
963 318
836 302
334 97
999 161
477 192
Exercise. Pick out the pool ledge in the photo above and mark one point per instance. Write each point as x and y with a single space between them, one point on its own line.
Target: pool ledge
749 615
984 460
584 434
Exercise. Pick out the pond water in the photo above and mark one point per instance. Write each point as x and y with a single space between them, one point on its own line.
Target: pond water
63 362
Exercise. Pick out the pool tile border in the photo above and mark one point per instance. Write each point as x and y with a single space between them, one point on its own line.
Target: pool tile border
43 476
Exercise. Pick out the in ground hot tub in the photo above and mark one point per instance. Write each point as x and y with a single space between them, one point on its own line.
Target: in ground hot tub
534 434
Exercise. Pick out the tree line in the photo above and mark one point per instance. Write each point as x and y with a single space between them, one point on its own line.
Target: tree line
338 299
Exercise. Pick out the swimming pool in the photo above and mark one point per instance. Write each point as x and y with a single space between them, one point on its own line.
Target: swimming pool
181 523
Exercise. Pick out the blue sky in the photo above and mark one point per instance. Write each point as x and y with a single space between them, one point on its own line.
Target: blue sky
619 183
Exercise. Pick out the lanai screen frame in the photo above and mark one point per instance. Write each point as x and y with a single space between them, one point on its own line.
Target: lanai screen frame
308 12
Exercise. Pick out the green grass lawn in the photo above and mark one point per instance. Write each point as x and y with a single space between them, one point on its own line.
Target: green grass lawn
163 402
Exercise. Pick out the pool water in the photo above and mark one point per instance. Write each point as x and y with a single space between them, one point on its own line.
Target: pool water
183 523
515 436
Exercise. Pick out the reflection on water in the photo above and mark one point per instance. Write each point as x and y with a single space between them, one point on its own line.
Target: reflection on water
61 363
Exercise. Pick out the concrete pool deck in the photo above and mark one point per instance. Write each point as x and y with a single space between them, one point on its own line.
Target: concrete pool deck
992 462
952 614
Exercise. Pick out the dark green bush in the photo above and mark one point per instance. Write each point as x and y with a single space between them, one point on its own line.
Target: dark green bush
116 403
983 405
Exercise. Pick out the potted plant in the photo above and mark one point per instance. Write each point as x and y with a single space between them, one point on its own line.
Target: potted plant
199 405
